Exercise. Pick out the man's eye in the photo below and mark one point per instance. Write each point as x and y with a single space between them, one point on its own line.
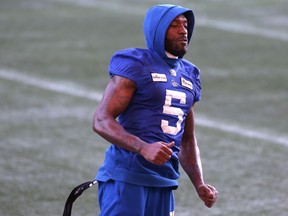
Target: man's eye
173 25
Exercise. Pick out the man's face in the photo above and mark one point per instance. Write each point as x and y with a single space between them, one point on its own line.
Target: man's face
176 41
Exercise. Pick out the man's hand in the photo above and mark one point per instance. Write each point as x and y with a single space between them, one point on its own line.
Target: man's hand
208 194
157 153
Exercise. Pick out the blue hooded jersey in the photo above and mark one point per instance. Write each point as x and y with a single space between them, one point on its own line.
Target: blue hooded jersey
164 95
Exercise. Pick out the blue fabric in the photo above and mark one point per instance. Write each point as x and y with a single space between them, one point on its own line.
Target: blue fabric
157 21
144 116
120 198
159 106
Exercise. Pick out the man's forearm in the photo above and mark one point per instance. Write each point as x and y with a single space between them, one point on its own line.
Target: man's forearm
114 133
190 161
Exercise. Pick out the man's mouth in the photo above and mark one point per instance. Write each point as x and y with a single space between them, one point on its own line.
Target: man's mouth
183 40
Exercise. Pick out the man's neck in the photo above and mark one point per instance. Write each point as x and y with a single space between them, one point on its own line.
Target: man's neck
169 55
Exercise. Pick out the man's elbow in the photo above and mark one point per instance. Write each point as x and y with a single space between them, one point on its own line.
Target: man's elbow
97 128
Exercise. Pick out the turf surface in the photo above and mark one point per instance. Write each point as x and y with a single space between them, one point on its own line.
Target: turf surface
53 61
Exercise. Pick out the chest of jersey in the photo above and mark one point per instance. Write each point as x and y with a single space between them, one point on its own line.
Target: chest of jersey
169 94
162 101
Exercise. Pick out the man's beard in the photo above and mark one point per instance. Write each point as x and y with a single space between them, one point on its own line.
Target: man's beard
174 49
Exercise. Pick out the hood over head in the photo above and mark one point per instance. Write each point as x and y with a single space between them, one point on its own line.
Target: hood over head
157 21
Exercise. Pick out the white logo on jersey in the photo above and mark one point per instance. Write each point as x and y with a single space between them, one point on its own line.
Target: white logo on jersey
173 72
156 77
186 83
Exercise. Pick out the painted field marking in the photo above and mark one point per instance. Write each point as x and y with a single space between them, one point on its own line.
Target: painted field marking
243 28
236 129
79 91
224 25
61 87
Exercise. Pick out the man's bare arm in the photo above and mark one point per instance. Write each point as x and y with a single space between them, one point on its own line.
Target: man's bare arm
190 160
116 99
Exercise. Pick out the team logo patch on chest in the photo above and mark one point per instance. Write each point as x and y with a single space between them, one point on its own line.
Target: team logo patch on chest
156 77
186 83
175 84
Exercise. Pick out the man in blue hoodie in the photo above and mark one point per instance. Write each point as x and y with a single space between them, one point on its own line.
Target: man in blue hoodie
146 113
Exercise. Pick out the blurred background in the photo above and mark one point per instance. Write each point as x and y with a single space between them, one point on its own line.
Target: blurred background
53 70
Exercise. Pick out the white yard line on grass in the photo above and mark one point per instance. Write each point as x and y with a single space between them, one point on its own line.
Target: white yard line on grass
236 129
224 25
79 91
243 28
61 87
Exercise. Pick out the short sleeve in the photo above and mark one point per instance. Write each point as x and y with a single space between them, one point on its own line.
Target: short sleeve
197 84
127 63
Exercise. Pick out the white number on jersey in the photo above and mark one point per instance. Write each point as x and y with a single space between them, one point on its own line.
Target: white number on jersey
169 109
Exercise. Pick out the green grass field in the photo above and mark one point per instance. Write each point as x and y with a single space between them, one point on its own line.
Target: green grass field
53 69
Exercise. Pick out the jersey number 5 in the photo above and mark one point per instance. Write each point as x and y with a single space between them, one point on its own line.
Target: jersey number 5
171 110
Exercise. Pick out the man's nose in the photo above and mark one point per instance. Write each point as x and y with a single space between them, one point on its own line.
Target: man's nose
182 29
